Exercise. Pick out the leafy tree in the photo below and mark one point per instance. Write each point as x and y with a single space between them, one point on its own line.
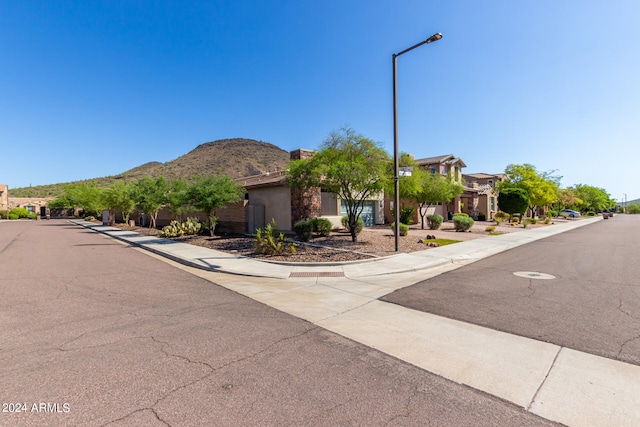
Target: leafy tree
177 197
541 187
435 188
410 184
568 199
151 195
593 198
513 200
211 193
89 197
119 197
348 165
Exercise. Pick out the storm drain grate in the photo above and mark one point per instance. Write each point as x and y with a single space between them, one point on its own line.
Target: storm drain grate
317 274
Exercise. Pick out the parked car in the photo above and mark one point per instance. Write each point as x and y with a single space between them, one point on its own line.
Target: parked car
570 213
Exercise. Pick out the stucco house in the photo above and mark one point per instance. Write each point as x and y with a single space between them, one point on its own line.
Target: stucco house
448 165
4 197
480 197
269 197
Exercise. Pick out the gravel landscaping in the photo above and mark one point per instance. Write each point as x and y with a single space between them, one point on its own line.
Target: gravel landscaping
372 242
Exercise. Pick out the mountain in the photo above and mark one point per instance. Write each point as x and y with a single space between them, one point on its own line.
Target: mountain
237 157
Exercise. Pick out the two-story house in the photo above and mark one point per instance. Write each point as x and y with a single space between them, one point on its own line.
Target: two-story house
448 165
480 197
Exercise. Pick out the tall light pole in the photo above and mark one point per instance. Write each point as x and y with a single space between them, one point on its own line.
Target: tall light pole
396 177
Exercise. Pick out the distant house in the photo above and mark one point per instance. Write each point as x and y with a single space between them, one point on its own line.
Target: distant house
4 197
37 205
480 197
448 165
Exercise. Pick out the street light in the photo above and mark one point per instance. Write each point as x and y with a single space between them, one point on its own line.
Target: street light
396 178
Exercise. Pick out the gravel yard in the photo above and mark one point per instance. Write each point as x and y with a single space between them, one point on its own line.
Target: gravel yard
372 242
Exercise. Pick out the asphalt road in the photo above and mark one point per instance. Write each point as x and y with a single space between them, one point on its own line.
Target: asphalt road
592 304
93 332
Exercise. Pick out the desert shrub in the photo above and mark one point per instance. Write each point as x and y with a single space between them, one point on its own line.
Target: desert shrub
322 226
20 212
547 220
526 222
490 228
404 229
461 214
176 228
462 223
501 216
482 216
192 226
633 208
171 230
4 214
534 220
11 215
591 213
434 221
406 215
270 241
359 225
304 230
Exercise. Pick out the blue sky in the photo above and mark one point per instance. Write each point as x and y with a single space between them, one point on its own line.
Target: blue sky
94 88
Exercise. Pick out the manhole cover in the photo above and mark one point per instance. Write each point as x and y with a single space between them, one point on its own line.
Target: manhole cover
534 275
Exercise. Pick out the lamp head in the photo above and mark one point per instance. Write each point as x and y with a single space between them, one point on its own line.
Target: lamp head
434 38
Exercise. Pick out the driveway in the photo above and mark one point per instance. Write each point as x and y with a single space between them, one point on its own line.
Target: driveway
591 304
94 332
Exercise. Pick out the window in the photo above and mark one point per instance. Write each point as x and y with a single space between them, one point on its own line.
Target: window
443 169
433 169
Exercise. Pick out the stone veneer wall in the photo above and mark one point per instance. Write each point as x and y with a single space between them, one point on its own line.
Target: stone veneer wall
304 204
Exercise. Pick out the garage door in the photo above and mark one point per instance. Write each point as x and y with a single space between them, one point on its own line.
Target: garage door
368 212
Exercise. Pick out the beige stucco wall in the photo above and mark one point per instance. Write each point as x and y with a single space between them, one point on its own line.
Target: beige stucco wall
277 205
4 196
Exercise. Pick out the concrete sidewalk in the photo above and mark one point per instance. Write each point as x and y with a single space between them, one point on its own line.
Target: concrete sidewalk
557 383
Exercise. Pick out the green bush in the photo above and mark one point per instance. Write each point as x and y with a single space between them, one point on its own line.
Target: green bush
13 216
322 226
552 213
591 213
462 223
406 215
633 208
4 214
434 221
461 214
501 216
270 241
304 230
404 229
359 225
20 212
